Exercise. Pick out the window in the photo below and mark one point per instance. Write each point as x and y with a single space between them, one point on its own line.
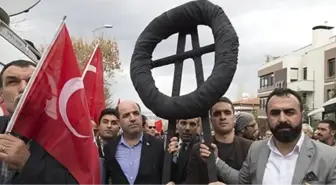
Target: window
294 73
304 97
330 94
331 67
267 81
305 73
263 103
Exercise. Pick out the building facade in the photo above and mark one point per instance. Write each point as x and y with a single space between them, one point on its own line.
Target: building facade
309 70
250 105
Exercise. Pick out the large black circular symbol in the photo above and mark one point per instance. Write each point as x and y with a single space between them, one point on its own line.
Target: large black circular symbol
182 19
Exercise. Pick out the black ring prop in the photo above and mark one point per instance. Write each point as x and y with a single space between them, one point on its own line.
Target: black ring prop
182 19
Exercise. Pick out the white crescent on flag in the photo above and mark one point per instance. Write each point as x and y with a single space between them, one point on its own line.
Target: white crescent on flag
92 68
69 88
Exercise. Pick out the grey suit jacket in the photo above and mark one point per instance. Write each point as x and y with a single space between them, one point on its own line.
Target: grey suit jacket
314 157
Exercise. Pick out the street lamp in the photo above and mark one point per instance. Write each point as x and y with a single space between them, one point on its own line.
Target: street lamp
105 26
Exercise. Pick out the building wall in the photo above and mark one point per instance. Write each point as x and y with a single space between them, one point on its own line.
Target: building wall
329 82
315 58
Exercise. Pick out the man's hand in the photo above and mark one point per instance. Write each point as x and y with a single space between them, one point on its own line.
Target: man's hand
173 145
13 151
217 183
205 151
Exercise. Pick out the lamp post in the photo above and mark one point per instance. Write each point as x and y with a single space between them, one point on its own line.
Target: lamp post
104 26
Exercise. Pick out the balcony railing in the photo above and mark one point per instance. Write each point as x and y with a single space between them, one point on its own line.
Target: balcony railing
302 85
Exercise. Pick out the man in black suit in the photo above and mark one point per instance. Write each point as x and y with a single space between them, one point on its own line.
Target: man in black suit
133 157
28 162
181 147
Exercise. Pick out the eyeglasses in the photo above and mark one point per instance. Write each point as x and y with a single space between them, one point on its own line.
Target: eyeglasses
151 127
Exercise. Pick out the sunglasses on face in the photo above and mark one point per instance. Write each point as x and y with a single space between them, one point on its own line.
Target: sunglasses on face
151 127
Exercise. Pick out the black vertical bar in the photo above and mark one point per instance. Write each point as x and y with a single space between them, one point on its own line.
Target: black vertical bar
211 166
166 175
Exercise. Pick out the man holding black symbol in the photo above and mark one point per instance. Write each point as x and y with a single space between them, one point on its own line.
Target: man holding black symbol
181 148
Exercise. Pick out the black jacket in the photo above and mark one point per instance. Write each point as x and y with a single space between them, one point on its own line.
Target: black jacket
179 169
151 162
41 167
197 172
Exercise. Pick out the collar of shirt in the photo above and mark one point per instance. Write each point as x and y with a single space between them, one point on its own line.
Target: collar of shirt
123 142
297 147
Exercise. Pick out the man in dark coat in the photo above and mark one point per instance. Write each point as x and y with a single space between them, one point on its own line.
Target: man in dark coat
24 161
133 157
181 147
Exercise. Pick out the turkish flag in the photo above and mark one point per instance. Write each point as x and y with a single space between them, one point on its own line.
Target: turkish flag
158 126
93 79
53 112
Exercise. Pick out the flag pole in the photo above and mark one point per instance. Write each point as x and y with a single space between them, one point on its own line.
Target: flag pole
88 63
32 79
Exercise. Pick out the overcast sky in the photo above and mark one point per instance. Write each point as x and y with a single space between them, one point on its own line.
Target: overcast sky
264 27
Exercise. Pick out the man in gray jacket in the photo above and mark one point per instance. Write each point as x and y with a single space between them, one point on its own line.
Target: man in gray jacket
289 156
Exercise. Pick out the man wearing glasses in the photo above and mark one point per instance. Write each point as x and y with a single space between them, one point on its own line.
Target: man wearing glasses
246 126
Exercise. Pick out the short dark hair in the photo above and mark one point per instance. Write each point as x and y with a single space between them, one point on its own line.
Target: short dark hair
107 111
117 110
18 63
144 119
224 100
281 92
331 123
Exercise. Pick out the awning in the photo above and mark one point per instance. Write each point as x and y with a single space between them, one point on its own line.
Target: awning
316 111
329 102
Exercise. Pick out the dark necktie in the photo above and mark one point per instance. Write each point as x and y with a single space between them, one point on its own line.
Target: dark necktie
182 154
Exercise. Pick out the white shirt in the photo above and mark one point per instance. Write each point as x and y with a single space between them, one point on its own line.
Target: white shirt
280 169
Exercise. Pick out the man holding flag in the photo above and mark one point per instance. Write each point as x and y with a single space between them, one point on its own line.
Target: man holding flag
49 111
28 162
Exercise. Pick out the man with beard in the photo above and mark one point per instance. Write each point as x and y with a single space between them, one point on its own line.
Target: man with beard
28 162
246 126
289 156
133 157
232 149
325 132
181 147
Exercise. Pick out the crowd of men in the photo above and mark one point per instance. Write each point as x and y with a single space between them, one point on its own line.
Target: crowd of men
291 152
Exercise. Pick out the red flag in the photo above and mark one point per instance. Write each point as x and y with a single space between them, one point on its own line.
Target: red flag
158 126
93 79
53 112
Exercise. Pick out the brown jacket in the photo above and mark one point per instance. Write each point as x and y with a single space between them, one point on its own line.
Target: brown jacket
197 171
